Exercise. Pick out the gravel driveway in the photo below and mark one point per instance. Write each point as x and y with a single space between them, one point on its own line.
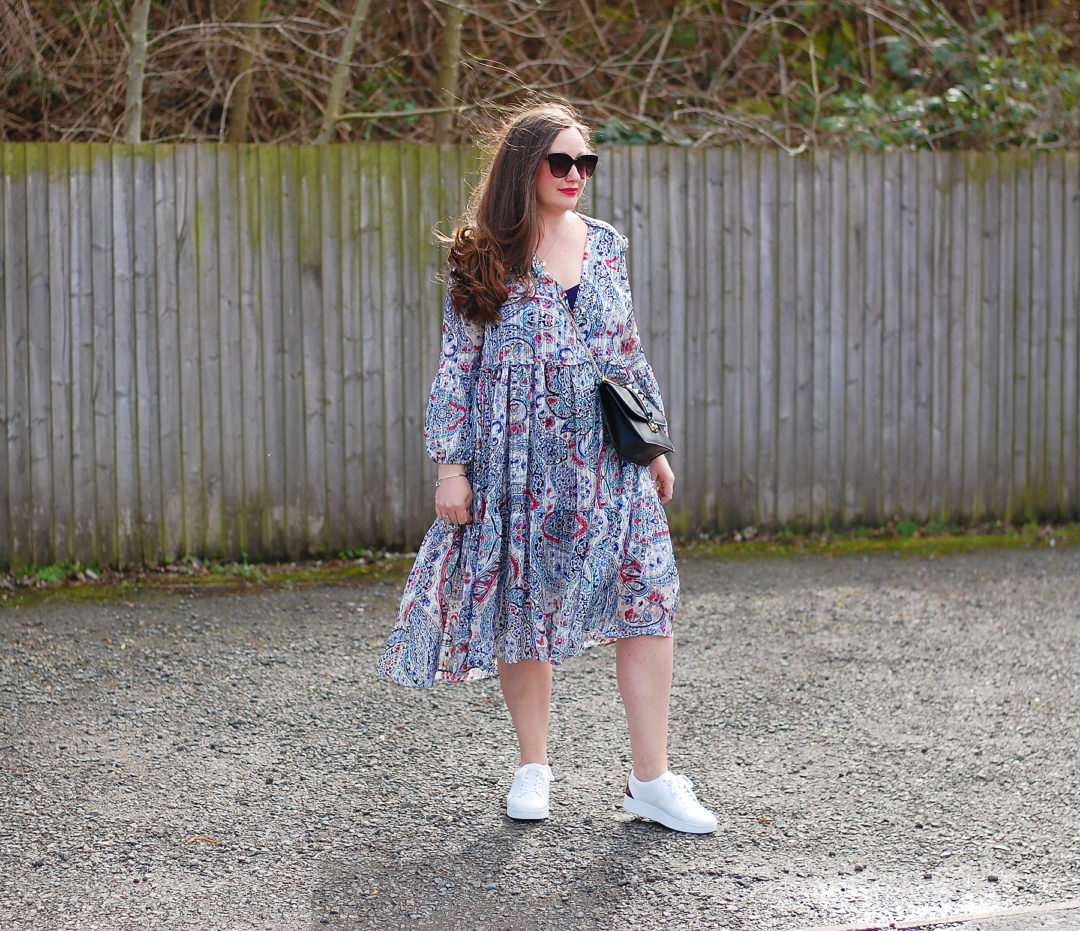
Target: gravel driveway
888 742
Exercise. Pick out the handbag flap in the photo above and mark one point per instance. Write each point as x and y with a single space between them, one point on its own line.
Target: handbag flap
631 402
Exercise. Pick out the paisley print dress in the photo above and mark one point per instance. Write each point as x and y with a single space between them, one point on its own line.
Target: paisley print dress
569 545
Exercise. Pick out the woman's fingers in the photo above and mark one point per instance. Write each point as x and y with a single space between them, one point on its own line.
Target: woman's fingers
452 503
663 479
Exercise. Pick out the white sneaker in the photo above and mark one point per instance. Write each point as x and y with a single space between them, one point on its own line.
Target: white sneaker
528 798
669 799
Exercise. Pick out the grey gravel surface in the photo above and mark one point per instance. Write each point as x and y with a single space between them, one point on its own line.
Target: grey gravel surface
884 739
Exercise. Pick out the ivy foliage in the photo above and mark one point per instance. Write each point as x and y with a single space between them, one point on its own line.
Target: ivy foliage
945 87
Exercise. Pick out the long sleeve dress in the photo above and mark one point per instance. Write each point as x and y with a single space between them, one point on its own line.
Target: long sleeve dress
569 545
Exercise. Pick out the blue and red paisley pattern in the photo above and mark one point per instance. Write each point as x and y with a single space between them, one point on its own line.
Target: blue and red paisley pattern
569 545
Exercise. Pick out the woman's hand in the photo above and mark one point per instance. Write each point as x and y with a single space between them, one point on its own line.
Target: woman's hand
453 496
663 478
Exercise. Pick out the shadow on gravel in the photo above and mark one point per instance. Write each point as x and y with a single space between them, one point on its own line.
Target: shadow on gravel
488 880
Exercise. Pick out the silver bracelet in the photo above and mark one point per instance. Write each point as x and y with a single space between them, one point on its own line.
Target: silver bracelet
445 477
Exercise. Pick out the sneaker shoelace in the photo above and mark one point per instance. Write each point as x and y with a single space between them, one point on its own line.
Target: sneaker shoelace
533 780
683 786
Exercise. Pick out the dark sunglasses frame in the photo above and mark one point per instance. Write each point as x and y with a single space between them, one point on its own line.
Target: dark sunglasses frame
560 164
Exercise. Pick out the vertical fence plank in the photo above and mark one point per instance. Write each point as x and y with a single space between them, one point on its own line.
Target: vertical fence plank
1053 373
255 448
333 213
601 188
104 352
17 338
834 306
438 219
668 328
907 277
411 248
1005 324
713 358
7 222
148 492
372 436
806 427
291 349
659 274
207 307
970 364
126 456
751 310
169 400
688 217
785 336
891 373
1021 301
926 259
956 426
393 333
231 351
192 413
39 354
873 361
855 499
618 172
768 339
939 414
985 278
312 325
640 254
60 333
821 377
701 345
81 295
273 387
357 531
731 510
1070 375
1038 498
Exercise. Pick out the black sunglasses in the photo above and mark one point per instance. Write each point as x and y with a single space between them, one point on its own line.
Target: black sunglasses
560 164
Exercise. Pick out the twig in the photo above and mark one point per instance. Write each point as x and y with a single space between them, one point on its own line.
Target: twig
656 62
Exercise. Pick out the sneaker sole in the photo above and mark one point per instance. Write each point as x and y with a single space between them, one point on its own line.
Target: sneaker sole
527 814
644 810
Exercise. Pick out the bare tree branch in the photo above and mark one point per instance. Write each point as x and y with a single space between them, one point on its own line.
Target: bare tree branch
449 69
651 76
239 107
131 130
341 72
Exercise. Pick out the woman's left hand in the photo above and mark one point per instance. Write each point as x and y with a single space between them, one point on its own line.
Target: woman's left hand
663 478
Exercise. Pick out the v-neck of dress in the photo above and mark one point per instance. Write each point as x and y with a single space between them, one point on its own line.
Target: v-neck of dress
584 258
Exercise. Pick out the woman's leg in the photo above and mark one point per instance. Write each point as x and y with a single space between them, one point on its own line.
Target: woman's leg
526 687
643 666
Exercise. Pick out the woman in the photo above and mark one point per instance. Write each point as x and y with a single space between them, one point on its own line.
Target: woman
546 542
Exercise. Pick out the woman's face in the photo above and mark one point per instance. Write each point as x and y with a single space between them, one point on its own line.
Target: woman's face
561 194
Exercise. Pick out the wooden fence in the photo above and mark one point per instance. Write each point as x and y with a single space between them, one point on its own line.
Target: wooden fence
218 350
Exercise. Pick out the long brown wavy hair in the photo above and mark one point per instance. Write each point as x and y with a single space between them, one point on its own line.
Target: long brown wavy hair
494 241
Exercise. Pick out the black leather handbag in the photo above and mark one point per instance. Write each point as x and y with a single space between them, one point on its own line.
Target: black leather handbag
638 432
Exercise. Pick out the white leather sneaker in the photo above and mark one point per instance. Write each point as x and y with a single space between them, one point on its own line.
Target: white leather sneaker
669 799
529 792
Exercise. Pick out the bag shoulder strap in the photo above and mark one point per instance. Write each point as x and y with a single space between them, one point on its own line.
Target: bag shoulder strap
584 342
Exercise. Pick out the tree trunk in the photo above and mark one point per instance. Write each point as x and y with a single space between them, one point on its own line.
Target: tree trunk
449 68
131 130
240 101
341 72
